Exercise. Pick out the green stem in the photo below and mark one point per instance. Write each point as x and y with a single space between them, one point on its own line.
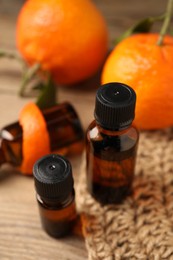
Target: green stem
28 75
143 26
10 55
47 97
166 22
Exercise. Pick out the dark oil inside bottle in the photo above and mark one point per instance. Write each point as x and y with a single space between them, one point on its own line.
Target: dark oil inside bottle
58 222
110 164
64 130
56 229
63 126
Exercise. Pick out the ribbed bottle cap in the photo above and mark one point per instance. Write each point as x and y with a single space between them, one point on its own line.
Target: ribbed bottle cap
115 106
53 177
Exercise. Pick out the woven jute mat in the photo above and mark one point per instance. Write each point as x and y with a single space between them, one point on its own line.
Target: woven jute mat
141 227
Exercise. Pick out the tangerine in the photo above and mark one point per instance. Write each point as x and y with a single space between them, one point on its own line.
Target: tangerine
147 67
69 38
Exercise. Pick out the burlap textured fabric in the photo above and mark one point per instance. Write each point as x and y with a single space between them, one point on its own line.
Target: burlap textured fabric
141 227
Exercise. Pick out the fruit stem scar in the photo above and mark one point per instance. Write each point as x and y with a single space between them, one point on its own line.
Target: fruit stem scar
166 22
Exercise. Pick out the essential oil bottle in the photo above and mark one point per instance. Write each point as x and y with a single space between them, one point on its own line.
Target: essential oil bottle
65 131
55 194
111 143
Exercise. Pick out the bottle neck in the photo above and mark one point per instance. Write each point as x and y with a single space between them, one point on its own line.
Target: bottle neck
56 203
118 131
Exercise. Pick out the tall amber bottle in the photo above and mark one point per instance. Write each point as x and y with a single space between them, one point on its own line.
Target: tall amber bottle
63 125
55 194
111 143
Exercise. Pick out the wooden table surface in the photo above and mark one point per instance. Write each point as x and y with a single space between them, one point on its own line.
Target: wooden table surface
21 235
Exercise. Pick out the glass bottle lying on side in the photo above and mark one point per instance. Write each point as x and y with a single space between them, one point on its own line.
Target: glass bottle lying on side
65 133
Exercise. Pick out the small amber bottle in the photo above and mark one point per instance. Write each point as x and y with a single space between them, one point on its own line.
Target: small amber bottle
65 131
55 194
111 143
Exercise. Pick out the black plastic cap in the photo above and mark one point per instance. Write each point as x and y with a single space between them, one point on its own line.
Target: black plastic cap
53 177
115 106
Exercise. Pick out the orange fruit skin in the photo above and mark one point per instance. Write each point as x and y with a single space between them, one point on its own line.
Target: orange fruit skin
148 68
67 37
36 142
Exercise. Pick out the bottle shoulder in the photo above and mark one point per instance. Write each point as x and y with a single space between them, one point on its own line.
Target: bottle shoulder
120 144
95 132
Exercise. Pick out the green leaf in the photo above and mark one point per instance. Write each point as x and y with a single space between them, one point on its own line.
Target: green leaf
39 86
47 97
142 26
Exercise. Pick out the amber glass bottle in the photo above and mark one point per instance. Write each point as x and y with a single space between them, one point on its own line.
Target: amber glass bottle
55 194
111 143
65 131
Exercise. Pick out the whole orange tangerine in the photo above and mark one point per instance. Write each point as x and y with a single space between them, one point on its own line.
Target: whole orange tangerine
147 67
69 38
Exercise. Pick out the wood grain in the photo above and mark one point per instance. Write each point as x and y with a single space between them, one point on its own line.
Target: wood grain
21 235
